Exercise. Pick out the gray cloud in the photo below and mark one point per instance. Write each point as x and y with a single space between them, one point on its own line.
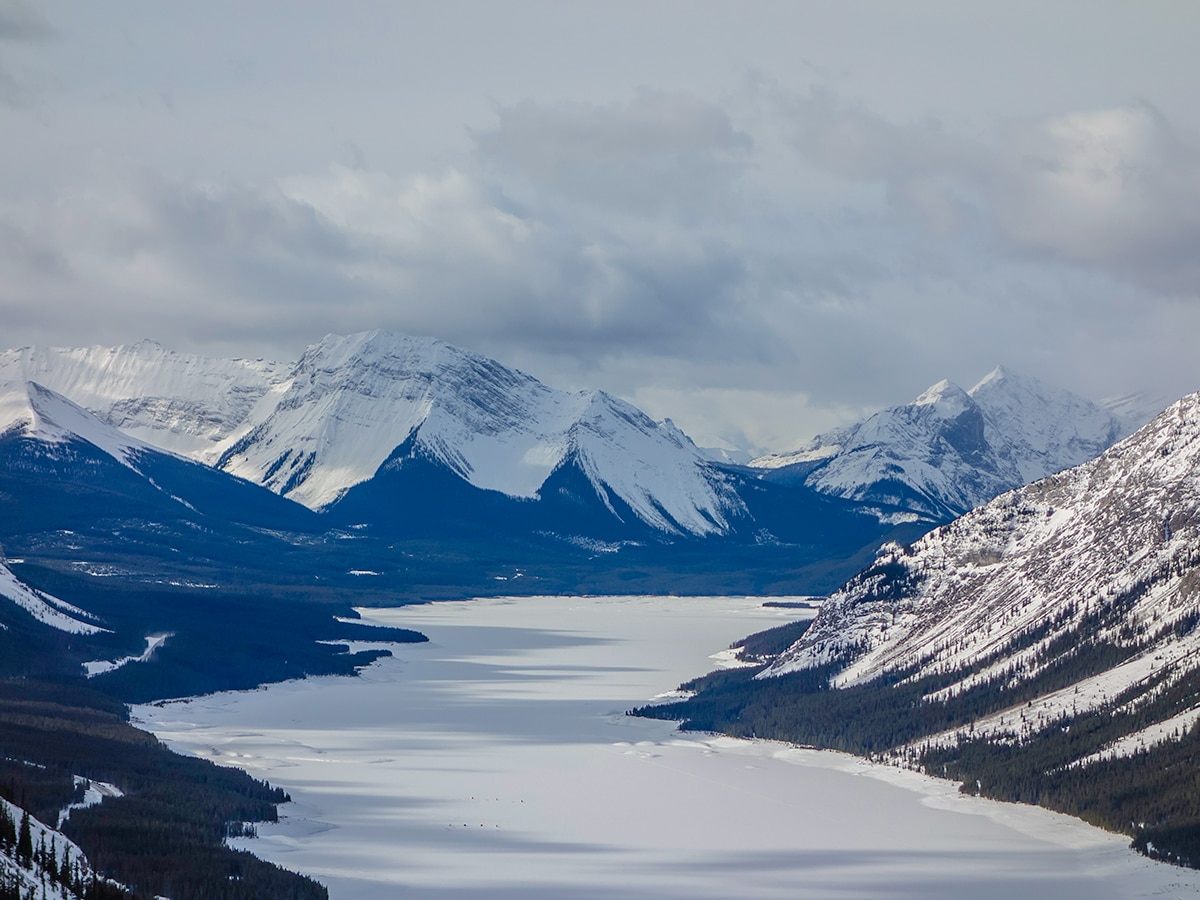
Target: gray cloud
12 93
21 22
355 250
1117 190
664 248
1114 190
657 153
27 252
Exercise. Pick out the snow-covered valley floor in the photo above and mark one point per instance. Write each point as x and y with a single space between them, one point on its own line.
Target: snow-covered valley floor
496 762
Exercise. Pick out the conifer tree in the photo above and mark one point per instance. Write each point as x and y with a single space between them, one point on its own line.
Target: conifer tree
8 827
25 842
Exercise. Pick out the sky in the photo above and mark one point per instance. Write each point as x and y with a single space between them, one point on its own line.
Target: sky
760 219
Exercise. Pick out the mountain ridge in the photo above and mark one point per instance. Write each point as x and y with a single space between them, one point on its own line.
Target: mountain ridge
1061 541
180 402
951 450
354 400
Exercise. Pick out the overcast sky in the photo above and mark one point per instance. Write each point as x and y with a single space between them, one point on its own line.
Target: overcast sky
760 219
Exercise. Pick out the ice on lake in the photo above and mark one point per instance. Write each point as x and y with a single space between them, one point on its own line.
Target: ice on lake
496 761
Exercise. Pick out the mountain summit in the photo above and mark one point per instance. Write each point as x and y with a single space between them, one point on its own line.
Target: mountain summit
355 403
950 450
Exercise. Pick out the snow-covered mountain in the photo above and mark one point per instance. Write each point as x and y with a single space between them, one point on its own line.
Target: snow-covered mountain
29 410
1095 571
187 404
727 455
355 403
950 450
1043 648
51 447
313 430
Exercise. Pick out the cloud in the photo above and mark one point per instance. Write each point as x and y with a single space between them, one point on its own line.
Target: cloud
451 255
657 154
1115 190
672 250
21 22
354 249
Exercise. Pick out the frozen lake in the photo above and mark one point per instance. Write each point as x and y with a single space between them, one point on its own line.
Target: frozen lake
497 762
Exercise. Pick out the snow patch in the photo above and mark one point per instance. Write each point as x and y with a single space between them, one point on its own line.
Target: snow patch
95 793
101 666
47 609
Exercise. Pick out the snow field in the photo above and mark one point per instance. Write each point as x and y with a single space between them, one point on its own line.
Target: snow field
497 762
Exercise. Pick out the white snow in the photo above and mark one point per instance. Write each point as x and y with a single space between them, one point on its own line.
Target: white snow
1171 729
727 455
31 879
1044 562
353 400
822 447
496 762
955 448
1065 545
1038 429
1135 408
94 793
100 666
47 609
188 404
31 410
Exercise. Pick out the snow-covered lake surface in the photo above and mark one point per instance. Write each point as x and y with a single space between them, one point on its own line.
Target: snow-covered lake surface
497 762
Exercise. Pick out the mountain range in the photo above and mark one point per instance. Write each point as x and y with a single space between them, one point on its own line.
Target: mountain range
387 437
353 407
367 421
134 479
1109 549
439 472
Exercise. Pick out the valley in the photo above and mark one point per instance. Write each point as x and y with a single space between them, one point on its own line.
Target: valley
497 761
292 517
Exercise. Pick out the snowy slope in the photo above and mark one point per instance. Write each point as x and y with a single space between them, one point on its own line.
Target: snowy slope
32 411
45 608
353 401
935 445
32 878
727 455
652 466
188 404
44 432
950 449
1106 554
1036 430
